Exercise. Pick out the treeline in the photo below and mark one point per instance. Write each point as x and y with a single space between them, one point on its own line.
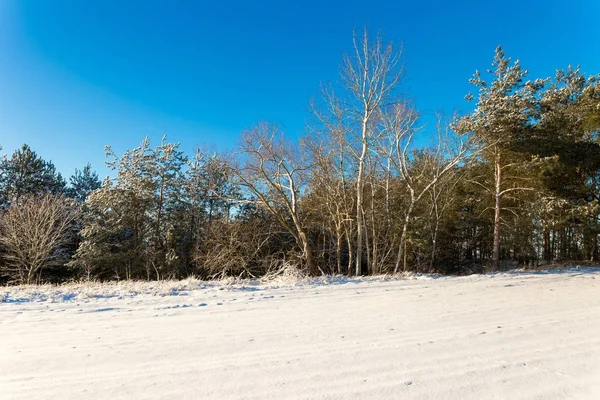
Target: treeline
515 182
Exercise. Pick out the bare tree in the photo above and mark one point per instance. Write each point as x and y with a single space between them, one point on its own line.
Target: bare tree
418 177
370 74
33 234
330 190
441 197
272 170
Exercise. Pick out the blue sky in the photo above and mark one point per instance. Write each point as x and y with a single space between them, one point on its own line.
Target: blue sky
77 75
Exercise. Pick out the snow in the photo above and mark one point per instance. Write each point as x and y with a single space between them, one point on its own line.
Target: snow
517 335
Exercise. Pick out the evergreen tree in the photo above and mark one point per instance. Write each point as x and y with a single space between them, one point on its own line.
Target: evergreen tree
131 223
506 109
166 169
82 183
26 173
568 133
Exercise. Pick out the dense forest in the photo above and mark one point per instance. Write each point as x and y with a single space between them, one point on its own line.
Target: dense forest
514 182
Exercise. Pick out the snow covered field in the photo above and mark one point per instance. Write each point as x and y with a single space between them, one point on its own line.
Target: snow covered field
506 336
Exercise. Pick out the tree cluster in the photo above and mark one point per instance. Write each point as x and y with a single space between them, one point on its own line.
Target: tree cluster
514 182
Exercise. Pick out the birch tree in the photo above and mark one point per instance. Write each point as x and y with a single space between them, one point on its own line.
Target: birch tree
370 75
418 177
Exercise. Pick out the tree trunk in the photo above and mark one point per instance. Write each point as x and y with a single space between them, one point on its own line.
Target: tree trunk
350 253
210 217
497 209
159 212
402 248
374 256
307 250
31 274
547 248
338 249
367 245
563 244
595 250
359 197
434 245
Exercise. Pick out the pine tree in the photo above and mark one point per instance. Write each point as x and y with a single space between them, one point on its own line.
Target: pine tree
506 109
25 173
567 133
82 183
166 168
132 218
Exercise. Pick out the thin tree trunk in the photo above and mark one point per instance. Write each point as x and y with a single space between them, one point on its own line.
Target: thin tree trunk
210 217
388 213
307 250
547 249
434 244
402 247
338 249
374 260
350 253
159 213
359 197
497 209
563 244
404 253
595 250
367 244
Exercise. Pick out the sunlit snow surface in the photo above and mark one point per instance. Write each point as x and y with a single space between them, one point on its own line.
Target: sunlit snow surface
516 335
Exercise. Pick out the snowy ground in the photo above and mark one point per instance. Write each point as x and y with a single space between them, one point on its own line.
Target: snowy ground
506 336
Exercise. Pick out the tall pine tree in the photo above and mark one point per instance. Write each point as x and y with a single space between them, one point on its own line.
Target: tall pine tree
26 173
82 183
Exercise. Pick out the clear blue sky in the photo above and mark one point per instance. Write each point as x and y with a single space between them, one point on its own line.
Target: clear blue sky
76 75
